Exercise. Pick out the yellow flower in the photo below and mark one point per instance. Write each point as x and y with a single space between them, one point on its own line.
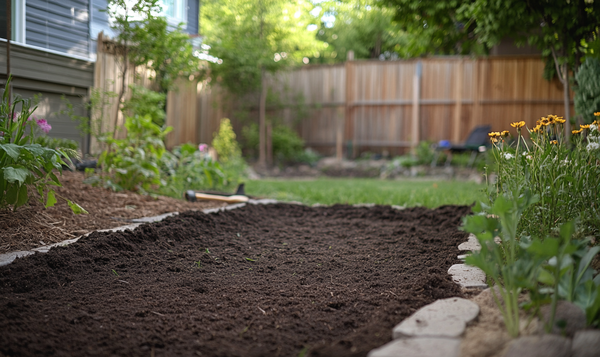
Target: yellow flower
577 131
505 133
597 114
537 128
585 126
545 121
554 142
559 120
494 140
518 124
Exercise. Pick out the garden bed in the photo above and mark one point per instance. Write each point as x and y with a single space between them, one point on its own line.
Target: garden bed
262 280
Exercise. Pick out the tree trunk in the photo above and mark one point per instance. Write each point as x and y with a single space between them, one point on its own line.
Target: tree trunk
122 91
262 157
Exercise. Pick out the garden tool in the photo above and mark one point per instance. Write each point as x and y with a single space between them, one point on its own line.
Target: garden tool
238 197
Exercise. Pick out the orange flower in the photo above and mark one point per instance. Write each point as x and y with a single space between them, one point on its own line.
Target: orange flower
554 142
597 114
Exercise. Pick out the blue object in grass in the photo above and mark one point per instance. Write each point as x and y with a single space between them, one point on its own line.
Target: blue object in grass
444 144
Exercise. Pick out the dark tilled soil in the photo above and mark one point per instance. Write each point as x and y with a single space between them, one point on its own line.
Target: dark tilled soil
266 280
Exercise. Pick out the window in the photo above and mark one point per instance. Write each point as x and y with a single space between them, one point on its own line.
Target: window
174 10
17 20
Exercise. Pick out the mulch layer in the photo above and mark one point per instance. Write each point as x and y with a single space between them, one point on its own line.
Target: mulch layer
262 280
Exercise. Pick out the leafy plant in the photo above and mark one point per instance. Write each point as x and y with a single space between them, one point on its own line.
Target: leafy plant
143 102
189 168
587 91
24 163
505 264
225 142
287 144
132 163
567 179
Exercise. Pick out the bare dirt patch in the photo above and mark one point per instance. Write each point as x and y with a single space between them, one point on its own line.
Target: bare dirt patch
33 226
262 280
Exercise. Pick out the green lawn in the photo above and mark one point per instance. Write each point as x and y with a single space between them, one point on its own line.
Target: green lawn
428 193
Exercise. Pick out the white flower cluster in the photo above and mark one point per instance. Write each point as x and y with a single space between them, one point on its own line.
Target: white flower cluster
508 156
593 138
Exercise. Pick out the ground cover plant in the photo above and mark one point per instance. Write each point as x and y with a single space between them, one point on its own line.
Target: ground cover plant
275 280
427 193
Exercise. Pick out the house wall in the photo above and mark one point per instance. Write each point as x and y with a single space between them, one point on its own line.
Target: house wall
52 76
59 25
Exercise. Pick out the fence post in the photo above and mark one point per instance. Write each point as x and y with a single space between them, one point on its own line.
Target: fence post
458 90
416 106
348 126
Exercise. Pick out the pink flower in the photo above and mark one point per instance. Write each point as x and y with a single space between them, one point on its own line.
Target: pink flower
43 124
202 147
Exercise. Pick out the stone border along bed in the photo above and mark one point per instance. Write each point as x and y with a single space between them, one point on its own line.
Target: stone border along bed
434 330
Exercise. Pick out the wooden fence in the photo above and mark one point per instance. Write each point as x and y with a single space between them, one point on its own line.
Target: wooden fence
377 105
373 105
108 77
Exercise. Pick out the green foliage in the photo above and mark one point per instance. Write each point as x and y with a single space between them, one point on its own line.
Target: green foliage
253 37
364 26
23 162
505 264
133 163
188 168
144 102
49 142
550 269
168 53
225 142
567 179
288 146
587 91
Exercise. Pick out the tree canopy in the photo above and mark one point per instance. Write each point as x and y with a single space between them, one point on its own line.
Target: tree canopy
251 36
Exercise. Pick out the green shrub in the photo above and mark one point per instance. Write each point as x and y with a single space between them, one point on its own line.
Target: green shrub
133 163
49 142
144 102
225 143
23 162
288 146
587 91
188 167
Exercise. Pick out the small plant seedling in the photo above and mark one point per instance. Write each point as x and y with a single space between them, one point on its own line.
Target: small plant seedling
114 272
250 260
198 264
207 251
239 235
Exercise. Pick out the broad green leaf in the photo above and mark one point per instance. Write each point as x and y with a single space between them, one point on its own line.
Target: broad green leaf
567 229
77 209
11 150
23 197
545 277
51 199
12 174
586 261
546 248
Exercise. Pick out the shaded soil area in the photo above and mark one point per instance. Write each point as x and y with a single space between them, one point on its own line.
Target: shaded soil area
33 226
262 280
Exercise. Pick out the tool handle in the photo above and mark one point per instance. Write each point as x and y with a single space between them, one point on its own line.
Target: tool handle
228 199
